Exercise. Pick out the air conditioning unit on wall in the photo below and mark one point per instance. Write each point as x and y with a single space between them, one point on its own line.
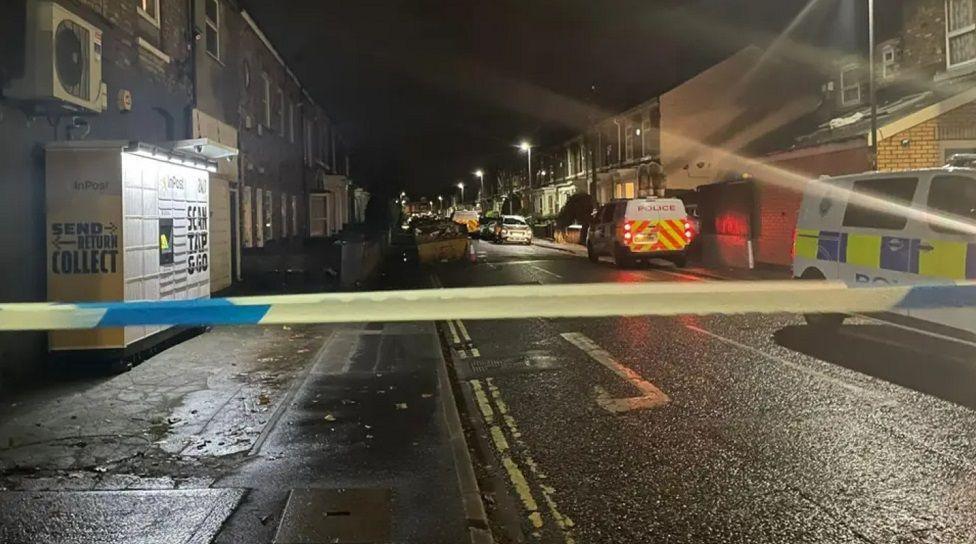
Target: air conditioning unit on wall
63 60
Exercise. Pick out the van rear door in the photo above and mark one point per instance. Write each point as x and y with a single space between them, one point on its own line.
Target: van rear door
655 225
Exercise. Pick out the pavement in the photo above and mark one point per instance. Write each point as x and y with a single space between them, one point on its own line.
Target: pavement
710 429
281 434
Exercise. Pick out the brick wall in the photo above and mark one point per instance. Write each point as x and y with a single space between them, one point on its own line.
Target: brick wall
923 34
920 150
921 146
777 204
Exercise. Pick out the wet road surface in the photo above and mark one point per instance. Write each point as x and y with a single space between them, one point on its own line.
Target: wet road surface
711 429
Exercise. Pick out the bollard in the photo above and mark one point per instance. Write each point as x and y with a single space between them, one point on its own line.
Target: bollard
472 253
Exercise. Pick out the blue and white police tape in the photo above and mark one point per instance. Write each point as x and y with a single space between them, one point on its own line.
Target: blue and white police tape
503 302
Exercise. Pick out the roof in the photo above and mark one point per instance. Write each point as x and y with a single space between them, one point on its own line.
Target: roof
894 115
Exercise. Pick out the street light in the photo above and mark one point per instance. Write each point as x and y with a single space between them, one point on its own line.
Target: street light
440 205
460 185
480 174
526 147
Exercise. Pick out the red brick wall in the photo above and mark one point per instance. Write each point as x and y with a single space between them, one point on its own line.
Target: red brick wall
777 203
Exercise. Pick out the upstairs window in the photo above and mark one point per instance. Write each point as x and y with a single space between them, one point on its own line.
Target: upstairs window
212 32
149 9
960 32
887 62
850 85
281 112
266 99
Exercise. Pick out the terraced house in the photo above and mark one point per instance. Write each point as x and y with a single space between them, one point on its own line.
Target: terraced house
190 81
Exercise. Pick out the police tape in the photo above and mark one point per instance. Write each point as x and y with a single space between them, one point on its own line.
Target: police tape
502 302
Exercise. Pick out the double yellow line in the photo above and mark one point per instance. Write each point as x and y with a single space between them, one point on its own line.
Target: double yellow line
502 427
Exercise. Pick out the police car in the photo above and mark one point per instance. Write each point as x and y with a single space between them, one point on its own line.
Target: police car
640 228
891 228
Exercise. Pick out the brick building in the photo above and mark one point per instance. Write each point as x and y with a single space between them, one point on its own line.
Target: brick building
173 73
926 105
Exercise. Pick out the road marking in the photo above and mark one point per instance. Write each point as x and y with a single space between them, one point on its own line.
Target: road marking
455 339
919 331
544 271
464 331
515 474
651 397
795 366
475 352
563 521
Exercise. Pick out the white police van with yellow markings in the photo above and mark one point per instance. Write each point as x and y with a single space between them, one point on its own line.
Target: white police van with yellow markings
877 228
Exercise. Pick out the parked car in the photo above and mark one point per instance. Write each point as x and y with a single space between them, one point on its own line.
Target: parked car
860 229
487 229
512 228
640 229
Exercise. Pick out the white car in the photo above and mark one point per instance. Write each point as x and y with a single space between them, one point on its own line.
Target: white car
512 228
890 228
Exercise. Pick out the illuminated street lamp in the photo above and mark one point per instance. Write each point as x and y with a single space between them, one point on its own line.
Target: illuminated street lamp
526 148
480 174
460 185
440 203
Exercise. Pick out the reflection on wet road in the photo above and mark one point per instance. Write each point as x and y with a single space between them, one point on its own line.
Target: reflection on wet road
772 432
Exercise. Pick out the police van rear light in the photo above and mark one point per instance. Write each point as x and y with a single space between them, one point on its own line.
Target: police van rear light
687 225
627 225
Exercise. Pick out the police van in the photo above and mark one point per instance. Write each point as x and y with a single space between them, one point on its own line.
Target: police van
882 228
640 228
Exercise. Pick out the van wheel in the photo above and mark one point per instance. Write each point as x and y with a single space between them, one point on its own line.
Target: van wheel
591 253
826 321
621 258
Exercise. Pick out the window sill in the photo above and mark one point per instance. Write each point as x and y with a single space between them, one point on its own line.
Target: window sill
959 70
152 49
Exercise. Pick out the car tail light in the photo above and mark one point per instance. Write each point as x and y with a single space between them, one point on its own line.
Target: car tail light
628 225
627 236
793 246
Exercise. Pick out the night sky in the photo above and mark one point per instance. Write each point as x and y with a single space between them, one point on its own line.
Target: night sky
427 91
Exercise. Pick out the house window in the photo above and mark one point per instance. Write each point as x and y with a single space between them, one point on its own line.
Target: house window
266 98
887 62
308 141
850 85
294 215
284 215
258 217
268 216
281 112
318 215
629 143
291 122
149 9
212 31
960 32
